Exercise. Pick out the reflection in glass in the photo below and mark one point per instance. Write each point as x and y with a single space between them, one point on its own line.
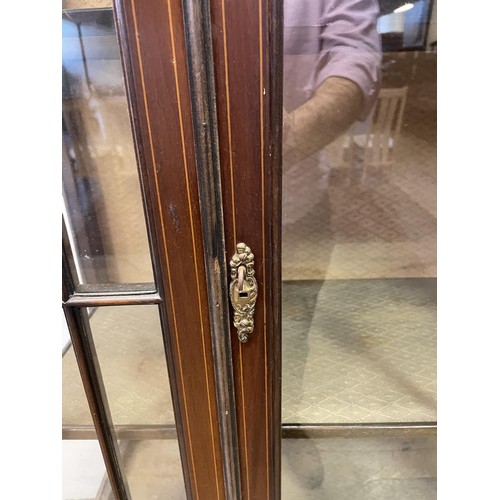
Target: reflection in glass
102 199
129 347
153 469
75 408
359 468
130 353
359 212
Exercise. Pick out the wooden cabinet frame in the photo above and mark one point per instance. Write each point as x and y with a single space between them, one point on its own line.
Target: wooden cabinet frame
204 90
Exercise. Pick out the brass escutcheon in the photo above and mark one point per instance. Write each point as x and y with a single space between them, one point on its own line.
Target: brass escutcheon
243 290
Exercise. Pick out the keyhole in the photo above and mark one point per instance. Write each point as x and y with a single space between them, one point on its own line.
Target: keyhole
243 295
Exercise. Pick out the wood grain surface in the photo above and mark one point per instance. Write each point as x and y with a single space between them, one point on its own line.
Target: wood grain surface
152 43
247 56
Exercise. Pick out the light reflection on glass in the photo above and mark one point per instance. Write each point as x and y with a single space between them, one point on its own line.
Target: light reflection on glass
102 199
359 212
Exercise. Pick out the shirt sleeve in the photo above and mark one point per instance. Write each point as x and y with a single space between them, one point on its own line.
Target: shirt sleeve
350 47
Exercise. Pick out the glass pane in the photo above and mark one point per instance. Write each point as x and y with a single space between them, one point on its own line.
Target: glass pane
387 468
131 356
84 474
359 246
153 469
102 198
359 212
129 349
75 409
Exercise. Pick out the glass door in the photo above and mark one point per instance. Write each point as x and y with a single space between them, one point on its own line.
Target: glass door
359 250
283 153
148 409
327 134
116 353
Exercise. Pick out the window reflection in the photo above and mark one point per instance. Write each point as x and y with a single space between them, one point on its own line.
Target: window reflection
359 211
103 207
359 235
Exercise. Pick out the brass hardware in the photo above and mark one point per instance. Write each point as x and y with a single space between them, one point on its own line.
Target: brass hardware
243 290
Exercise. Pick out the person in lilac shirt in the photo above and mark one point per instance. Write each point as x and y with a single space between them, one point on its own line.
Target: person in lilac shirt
332 59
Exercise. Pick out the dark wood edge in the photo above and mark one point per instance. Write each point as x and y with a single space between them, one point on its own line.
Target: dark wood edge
90 373
148 197
376 430
274 234
125 38
200 66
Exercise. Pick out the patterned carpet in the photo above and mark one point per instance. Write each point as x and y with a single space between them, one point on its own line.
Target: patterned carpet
359 351
130 352
382 225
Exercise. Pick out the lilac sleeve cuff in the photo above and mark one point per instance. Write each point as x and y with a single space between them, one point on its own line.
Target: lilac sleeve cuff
350 47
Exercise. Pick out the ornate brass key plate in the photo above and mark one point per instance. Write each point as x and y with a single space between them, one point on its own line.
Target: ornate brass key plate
243 290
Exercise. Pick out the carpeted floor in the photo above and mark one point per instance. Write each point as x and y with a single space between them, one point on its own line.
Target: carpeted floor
359 351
